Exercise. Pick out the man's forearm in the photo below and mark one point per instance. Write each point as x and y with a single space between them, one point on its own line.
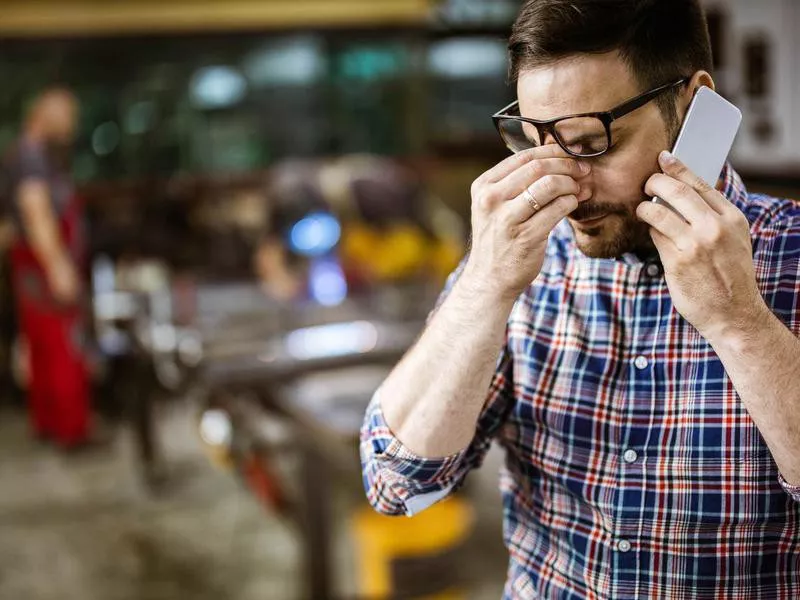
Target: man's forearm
433 398
762 359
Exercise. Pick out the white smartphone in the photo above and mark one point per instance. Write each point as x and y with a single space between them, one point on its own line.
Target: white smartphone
706 135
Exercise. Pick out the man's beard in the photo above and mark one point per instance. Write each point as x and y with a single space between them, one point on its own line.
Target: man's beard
620 232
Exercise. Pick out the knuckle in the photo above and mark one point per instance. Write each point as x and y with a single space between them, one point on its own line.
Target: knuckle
714 233
691 251
493 195
679 188
514 231
484 197
476 187
482 204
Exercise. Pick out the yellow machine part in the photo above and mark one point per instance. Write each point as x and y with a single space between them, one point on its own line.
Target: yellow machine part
400 252
381 540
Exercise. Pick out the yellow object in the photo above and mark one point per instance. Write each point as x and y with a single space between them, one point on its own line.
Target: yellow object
358 245
445 257
400 252
381 540
219 457
93 17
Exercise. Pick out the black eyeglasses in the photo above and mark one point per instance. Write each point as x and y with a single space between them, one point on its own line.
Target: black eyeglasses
584 135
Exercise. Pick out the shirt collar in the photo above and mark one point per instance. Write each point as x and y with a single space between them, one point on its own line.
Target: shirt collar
732 187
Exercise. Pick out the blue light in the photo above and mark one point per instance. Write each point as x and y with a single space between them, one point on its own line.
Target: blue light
217 87
327 283
315 234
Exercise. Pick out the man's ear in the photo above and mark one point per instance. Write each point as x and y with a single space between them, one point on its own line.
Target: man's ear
698 80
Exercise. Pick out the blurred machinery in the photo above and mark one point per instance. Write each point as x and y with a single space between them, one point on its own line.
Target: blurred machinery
368 216
348 263
148 351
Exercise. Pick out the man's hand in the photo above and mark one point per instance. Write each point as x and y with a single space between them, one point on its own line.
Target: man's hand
63 282
508 235
708 257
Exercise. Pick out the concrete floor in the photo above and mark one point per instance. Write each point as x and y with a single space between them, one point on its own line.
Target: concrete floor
81 527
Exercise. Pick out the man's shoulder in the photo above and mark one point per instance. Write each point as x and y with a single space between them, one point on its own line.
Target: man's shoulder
769 216
775 231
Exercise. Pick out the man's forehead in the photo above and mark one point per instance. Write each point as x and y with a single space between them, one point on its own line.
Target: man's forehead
584 83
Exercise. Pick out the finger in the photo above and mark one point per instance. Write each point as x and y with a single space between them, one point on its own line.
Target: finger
672 166
545 220
517 181
666 247
515 161
543 191
681 196
664 221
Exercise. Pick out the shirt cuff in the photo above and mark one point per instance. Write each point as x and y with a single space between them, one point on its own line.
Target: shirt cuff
392 454
792 490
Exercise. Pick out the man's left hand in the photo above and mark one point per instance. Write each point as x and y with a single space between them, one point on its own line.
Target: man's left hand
707 254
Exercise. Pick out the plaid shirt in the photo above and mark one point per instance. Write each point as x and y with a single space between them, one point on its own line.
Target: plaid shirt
633 469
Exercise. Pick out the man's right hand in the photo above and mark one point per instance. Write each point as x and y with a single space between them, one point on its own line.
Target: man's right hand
509 237
62 279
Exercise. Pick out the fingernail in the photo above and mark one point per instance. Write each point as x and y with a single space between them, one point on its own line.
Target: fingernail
666 158
585 167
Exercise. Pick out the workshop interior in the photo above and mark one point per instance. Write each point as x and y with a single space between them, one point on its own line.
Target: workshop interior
273 195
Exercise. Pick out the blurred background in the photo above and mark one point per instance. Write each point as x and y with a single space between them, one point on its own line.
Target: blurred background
273 193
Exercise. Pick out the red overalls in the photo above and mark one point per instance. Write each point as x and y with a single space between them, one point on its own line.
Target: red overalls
58 389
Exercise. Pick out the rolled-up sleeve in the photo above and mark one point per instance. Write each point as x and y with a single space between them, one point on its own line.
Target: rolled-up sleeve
398 482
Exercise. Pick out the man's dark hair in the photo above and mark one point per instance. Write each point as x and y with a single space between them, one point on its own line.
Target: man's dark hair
660 40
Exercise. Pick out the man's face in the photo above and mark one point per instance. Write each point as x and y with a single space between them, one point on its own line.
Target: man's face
592 84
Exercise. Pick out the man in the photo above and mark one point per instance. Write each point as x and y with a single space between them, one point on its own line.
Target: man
646 390
44 261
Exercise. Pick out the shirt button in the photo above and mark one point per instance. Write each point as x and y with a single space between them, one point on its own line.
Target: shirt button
653 270
641 362
630 455
624 546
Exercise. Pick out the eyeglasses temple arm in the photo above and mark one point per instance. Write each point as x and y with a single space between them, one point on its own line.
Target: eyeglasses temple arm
639 101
